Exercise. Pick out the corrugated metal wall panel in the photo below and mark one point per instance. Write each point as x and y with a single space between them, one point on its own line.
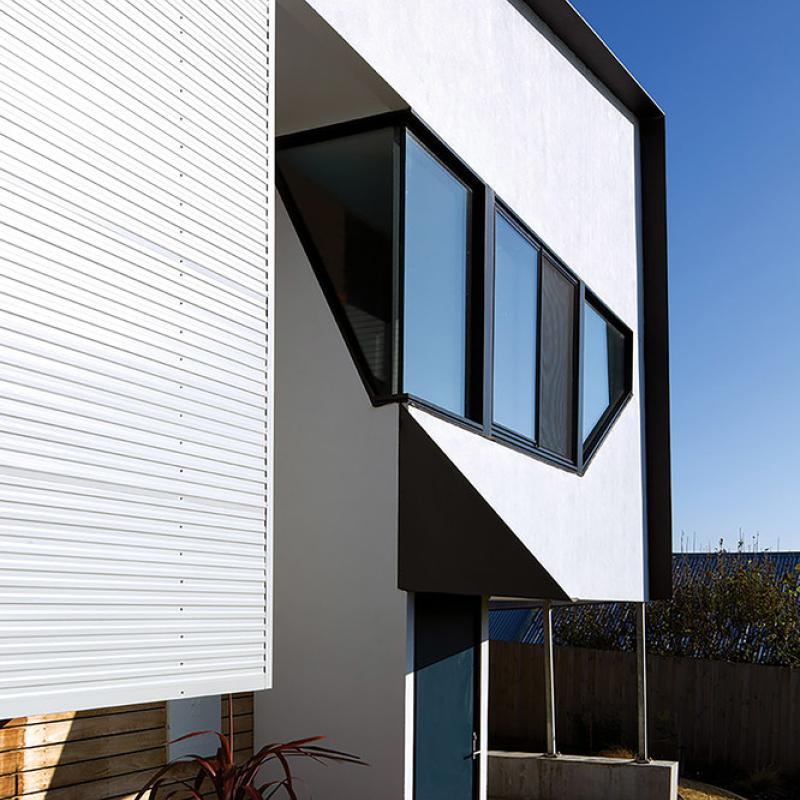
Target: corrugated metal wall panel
135 378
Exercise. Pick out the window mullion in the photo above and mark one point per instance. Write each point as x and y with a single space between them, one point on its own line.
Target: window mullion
398 270
537 421
579 334
489 212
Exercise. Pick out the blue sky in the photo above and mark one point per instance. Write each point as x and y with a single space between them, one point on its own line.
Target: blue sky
727 74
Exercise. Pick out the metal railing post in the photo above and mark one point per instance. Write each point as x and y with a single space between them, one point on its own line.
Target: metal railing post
549 680
641 681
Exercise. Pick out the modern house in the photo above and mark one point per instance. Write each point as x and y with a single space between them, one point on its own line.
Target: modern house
387 279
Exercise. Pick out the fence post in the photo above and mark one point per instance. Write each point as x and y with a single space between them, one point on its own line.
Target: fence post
641 681
549 680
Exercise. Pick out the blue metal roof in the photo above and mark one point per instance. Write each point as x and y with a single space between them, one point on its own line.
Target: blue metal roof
696 564
509 625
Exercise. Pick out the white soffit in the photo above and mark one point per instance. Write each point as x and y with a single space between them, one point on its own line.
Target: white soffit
587 532
135 371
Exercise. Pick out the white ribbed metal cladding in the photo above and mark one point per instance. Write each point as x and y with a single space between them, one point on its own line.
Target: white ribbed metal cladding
135 366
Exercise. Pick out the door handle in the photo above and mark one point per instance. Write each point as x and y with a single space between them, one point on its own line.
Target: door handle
475 751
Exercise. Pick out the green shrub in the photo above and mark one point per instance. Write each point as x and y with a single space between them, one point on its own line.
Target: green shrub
736 608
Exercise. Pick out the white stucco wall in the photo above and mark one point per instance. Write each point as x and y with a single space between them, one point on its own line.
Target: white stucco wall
584 531
339 620
522 111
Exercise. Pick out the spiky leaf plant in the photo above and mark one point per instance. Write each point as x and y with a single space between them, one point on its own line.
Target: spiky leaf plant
221 778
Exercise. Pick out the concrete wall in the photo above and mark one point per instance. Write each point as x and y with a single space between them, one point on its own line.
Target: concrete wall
529 776
524 113
340 622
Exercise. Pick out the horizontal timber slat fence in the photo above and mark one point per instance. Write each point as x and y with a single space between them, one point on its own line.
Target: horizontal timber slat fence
714 717
99 754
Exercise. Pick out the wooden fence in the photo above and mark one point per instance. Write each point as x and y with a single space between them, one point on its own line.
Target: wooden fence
96 755
712 716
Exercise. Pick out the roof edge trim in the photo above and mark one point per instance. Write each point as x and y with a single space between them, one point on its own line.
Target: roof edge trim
569 26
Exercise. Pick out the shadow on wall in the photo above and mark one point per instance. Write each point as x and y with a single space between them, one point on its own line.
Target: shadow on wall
98 754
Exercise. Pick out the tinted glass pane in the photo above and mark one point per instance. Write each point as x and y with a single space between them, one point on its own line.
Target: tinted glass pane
436 221
603 368
343 189
557 430
515 280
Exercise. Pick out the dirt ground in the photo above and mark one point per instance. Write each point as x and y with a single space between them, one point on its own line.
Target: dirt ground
694 790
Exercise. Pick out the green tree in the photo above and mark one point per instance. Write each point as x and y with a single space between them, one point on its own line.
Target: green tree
736 608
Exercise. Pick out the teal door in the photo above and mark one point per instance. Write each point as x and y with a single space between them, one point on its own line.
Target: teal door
446 648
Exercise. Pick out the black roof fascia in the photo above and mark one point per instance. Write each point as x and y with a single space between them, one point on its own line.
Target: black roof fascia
575 32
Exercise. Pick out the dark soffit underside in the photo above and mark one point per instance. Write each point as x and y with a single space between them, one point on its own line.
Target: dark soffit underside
449 538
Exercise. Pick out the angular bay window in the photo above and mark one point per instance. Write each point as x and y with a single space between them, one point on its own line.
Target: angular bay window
606 365
344 191
401 235
387 222
516 278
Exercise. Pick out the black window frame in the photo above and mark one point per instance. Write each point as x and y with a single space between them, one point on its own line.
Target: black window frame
574 458
473 300
390 120
609 416
479 299
495 429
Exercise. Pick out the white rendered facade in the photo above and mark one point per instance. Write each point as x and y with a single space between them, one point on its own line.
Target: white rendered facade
554 143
